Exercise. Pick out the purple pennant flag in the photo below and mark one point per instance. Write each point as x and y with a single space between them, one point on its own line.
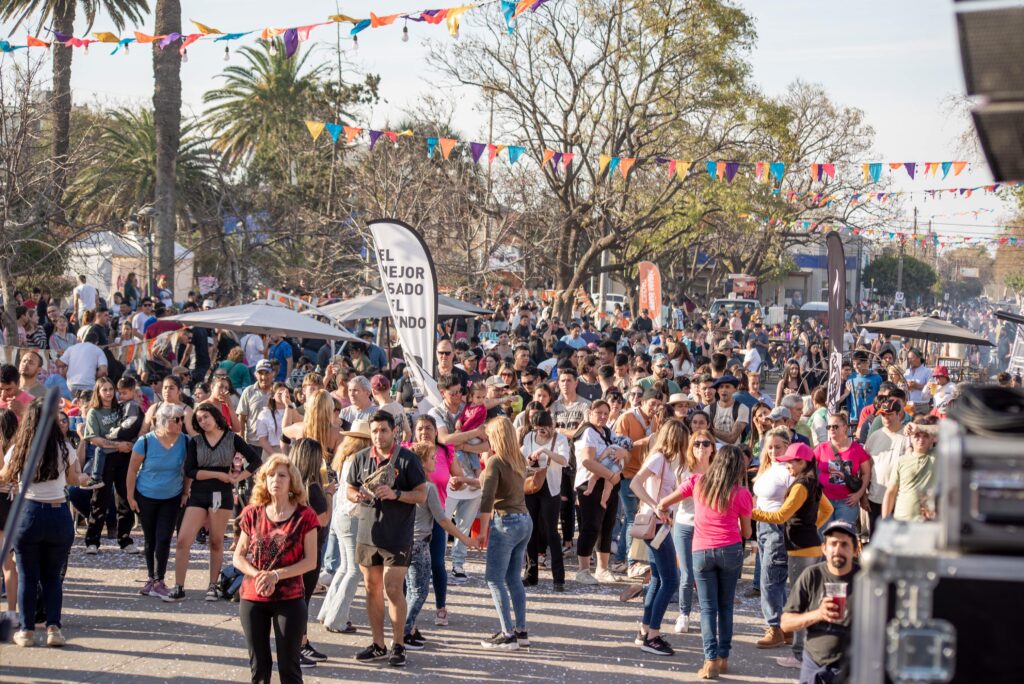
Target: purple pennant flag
62 37
730 170
168 39
477 150
555 160
662 160
910 167
536 5
291 42
374 136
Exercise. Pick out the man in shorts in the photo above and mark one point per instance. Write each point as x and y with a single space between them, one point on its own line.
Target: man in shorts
387 516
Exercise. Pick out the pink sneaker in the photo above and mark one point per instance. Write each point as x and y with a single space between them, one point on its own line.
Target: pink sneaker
441 618
159 590
147 587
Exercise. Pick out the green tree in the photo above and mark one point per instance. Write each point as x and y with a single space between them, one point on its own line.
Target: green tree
1015 281
60 14
918 277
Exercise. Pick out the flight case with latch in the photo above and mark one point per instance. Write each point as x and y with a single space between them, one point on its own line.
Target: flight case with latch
925 614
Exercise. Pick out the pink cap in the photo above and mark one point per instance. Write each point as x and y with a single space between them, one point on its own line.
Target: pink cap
797 451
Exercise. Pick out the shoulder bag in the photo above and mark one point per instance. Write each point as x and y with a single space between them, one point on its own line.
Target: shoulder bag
645 524
536 478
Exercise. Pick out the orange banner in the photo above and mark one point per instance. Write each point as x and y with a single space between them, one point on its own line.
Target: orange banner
650 291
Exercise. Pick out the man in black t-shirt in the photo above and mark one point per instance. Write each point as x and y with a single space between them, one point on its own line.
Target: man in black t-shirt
826 619
387 516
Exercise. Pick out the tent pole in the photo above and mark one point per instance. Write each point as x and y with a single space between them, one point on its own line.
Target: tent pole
387 322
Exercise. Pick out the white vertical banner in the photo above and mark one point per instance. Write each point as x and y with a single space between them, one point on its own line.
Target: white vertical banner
410 283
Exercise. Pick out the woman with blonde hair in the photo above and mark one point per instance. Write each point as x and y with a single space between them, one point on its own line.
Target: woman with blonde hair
276 546
771 485
655 480
318 424
699 452
505 521
334 612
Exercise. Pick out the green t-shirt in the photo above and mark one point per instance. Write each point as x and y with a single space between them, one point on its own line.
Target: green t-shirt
913 476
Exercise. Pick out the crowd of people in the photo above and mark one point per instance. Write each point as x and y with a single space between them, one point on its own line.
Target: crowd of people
566 450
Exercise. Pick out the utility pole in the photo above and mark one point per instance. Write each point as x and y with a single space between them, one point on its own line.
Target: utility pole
487 210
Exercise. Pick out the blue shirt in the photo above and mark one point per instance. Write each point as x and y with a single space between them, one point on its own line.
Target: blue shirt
282 353
163 470
863 389
60 382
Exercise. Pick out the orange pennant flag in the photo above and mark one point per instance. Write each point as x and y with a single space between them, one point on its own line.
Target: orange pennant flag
271 33
447 145
142 38
625 164
896 166
720 170
377 22
350 133
959 166
35 42
550 154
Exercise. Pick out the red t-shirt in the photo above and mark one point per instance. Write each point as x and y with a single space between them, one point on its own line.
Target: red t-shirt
273 546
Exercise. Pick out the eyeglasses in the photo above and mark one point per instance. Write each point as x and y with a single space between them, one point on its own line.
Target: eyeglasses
701 443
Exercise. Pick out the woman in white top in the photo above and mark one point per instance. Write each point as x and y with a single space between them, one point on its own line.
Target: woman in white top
545 447
337 605
699 452
770 487
45 531
270 420
655 480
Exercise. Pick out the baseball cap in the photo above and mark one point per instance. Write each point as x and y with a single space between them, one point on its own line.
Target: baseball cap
780 413
209 304
840 526
264 365
797 451
726 380
495 381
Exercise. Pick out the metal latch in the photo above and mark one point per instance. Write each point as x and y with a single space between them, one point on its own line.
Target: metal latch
919 648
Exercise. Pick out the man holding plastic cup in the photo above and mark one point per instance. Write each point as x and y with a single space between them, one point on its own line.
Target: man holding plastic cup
819 603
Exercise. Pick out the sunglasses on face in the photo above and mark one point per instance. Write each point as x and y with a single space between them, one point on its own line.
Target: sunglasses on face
444 353
835 427
179 419
701 443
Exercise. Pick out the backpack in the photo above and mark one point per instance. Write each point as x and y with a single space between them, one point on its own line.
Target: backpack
230 582
713 409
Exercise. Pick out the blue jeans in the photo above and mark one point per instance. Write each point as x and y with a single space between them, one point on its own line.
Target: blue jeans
813 673
664 582
771 549
717 570
417 582
331 553
438 544
464 511
45 534
506 544
682 540
843 511
630 502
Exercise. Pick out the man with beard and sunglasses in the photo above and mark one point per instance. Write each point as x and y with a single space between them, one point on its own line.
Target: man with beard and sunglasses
825 617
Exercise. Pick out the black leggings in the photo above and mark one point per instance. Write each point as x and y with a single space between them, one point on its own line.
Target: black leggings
567 507
114 476
596 521
544 509
157 517
289 621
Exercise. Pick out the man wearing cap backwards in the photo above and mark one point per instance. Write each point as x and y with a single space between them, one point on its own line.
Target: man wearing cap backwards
729 418
827 621
661 371
885 445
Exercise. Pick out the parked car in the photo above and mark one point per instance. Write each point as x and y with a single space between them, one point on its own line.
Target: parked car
817 310
730 305
610 300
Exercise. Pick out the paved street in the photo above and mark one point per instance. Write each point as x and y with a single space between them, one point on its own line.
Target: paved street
115 635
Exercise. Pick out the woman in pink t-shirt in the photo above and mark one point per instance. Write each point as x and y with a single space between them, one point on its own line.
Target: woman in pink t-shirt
722 506
841 460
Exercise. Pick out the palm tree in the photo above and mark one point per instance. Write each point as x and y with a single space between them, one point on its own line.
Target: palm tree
61 16
122 175
262 102
167 119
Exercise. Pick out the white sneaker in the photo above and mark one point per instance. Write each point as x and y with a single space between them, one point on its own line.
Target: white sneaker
789 661
92 550
130 549
682 624
584 577
636 570
604 576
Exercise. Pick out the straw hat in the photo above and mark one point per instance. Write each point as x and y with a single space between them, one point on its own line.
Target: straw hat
360 429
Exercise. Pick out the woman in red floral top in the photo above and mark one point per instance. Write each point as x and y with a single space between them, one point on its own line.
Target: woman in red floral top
277 545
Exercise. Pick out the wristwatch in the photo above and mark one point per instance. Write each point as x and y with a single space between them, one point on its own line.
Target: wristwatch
398 493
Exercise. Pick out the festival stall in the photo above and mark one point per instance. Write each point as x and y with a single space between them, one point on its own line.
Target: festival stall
106 259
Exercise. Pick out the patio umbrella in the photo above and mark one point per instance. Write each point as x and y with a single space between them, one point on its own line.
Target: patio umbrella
926 328
265 317
376 306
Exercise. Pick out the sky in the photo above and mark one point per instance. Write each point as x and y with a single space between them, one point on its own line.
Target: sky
897 60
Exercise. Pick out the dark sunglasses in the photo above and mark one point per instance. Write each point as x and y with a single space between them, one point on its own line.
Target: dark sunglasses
835 427
179 419
702 443
444 353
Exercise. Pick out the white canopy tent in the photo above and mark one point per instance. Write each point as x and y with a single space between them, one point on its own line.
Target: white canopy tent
265 317
376 306
106 259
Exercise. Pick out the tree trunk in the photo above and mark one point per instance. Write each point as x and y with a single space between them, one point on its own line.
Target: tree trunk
8 322
60 105
167 117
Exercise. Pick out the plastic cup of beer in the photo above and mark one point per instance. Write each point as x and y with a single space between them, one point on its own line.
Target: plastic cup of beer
837 592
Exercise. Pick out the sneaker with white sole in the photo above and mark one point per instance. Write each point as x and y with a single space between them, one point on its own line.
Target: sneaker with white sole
212 593
92 549
147 587
458 576
93 483
523 639
54 637
604 576
682 624
584 577
789 661
501 642
657 646
637 570
130 548
175 595
25 638
441 618
159 590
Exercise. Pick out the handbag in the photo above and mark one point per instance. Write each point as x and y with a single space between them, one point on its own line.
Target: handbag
852 482
646 524
536 479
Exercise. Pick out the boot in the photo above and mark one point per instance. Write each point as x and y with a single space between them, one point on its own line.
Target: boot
723 666
789 638
773 637
709 671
